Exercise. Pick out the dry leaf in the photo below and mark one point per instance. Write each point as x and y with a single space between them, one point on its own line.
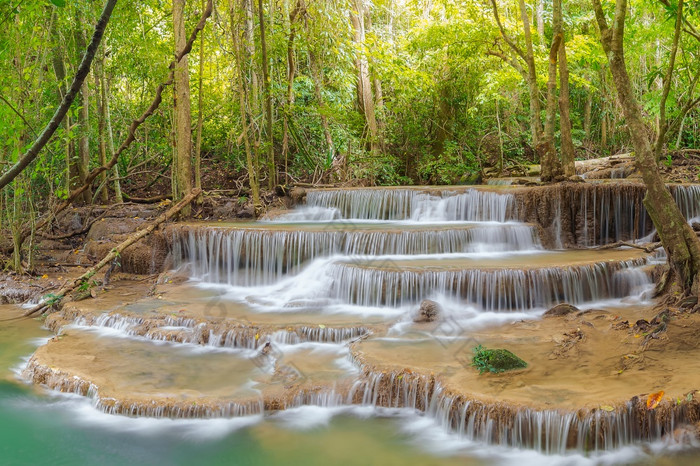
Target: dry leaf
607 408
654 399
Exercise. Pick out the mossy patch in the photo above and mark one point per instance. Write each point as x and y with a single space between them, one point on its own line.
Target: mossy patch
496 360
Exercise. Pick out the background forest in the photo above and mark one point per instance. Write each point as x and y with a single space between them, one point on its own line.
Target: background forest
282 91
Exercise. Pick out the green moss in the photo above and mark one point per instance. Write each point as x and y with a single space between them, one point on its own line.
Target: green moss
496 360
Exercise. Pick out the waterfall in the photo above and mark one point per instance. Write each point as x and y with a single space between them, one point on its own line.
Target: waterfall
488 289
399 204
249 257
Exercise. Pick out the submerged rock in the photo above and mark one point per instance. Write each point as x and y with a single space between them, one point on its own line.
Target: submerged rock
429 311
562 309
496 360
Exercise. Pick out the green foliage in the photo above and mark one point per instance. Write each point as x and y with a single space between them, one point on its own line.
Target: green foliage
496 360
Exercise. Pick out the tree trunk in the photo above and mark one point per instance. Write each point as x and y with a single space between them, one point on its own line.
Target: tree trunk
101 127
535 108
182 181
291 74
546 150
567 143
82 163
539 14
364 87
200 119
241 60
587 110
110 140
317 77
678 238
267 86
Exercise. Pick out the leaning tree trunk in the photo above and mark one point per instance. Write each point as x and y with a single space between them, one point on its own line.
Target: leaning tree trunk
678 238
267 87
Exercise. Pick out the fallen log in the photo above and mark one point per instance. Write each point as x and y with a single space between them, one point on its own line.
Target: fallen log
647 247
113 254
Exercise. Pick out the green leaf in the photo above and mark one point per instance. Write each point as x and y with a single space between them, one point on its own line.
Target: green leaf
59 3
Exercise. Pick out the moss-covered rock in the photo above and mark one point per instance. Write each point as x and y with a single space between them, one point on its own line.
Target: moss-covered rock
496 360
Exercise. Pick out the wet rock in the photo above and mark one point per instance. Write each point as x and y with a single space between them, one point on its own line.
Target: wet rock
298 195
109 227
266 349
561 310
429 311
247 212
227 210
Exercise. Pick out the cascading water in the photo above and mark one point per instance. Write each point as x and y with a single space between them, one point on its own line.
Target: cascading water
249 257
351 253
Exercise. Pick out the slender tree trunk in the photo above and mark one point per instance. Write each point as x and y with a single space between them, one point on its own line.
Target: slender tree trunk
378 91
82 164
241 62
291 74
662 122
587 110
535 108
317 77
101 126
547 151
250 52
267 89
539 19
567 143
200 119
364 87
182 181
678 238
110 139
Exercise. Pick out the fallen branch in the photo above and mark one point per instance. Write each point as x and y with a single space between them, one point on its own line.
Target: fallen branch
114 254
647 247
147 200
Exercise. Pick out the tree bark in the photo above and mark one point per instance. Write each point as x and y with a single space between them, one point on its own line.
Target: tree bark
546 150
243 106
317 77
678 238
101 126
291 74
200 118
530 71
182 181
82 163
567 143
61 111
365 96
267 87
